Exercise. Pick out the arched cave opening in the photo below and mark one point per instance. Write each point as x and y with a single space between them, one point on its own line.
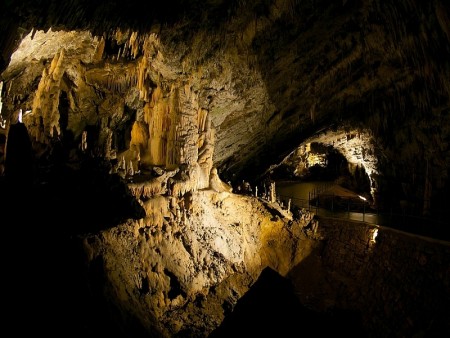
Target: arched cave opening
319 162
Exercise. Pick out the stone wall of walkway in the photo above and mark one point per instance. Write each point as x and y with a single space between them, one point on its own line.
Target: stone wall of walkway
398 281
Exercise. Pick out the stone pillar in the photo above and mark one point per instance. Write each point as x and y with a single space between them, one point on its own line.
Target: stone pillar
272 192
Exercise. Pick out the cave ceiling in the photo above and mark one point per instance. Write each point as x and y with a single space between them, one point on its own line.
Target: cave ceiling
270 74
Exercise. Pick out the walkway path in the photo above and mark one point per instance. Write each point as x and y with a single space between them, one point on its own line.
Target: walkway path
302 194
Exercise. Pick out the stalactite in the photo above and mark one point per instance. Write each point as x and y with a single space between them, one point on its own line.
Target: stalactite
157 140
55 66
162 117
98 54
134 44
202 116
142 73
46 99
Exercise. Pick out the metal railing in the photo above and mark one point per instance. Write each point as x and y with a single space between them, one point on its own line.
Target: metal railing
332 206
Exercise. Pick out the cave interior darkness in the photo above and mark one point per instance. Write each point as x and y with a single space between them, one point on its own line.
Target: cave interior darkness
354 91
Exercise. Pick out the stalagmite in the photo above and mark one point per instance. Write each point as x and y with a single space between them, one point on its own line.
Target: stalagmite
130 169
84 141
205 147
272 192
138 162
217 184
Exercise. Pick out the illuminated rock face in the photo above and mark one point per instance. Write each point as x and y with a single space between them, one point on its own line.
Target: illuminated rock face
170 127
174 269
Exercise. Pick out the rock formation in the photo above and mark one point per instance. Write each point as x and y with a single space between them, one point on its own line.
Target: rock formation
148 103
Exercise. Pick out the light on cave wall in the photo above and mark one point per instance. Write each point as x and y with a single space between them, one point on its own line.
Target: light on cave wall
317 159
2 120
357 146
373 236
